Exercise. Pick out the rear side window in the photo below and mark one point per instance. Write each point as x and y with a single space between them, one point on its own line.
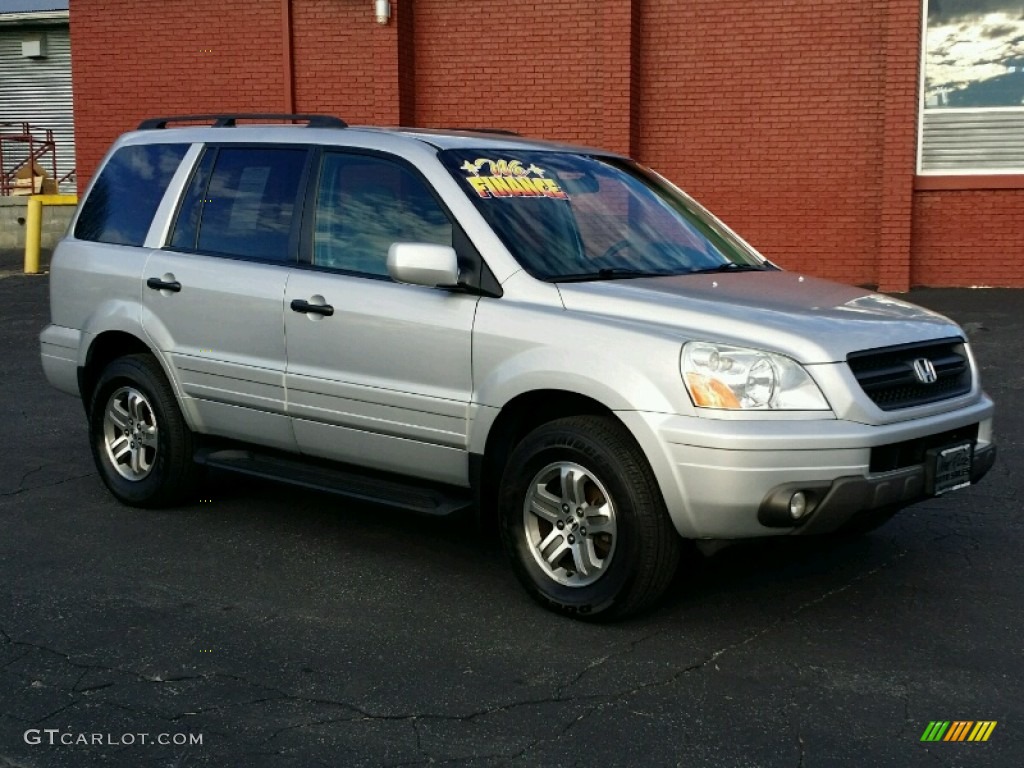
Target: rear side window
127 192
245 205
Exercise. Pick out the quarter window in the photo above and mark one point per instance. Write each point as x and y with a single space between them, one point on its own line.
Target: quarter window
366 203
122 202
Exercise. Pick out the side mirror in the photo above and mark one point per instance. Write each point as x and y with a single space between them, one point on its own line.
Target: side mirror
423 264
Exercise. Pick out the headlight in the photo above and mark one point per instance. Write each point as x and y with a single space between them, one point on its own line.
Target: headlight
723 376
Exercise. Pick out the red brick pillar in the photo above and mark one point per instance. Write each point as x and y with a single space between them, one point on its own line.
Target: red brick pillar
618 42
899 143
392 59
288 58
406 62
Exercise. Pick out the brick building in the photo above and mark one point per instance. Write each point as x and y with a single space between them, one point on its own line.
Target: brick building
863 142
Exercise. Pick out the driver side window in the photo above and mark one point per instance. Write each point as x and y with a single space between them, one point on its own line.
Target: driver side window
364 204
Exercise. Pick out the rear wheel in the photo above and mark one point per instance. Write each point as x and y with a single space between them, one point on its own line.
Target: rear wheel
583 520
141 445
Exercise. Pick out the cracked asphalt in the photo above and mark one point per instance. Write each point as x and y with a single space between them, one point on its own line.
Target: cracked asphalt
290 628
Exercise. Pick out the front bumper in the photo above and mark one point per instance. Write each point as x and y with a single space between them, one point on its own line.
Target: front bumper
833 504
717 475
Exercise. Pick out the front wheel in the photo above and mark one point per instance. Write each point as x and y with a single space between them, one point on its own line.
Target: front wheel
141 445
583 520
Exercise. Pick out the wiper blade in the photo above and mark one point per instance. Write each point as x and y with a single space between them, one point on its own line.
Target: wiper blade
611 273
728 267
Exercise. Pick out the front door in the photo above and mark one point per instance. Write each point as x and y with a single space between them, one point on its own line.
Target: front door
379 373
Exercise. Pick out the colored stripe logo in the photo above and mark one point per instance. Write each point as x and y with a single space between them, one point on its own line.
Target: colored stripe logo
958 730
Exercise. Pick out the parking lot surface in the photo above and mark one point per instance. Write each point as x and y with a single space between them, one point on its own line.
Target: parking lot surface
283 627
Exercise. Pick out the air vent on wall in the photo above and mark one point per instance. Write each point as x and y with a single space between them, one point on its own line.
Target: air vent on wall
34 46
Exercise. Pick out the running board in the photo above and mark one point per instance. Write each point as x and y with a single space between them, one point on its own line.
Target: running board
412 495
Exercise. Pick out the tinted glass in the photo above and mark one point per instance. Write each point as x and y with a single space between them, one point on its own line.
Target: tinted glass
121 204
250 203
572 216
365 204
186 226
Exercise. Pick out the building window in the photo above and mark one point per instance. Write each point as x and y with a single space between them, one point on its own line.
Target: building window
972 101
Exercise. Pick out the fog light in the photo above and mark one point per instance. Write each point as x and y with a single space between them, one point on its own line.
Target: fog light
797 505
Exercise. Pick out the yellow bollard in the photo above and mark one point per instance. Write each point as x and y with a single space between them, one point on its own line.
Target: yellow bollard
33 234
34 226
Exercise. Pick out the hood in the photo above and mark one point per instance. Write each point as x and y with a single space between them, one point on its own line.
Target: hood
811 320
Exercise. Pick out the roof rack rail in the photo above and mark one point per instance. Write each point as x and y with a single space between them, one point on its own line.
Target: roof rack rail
499 131
230 120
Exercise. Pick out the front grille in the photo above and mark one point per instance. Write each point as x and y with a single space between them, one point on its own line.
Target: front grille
887 374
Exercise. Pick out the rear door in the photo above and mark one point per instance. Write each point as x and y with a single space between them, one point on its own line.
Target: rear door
213 296
379 373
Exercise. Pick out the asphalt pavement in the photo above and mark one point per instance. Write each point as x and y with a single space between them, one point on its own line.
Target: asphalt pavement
12 261
268 626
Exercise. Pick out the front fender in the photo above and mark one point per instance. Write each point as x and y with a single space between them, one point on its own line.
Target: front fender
520 348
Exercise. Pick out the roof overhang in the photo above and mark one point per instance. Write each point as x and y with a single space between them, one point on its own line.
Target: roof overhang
34 19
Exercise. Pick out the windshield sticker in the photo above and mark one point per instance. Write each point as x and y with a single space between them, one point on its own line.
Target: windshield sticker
510 178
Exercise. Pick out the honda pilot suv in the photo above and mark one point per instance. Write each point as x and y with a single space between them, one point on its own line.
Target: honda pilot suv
555 337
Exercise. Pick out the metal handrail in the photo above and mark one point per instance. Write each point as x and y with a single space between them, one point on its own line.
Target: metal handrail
37 149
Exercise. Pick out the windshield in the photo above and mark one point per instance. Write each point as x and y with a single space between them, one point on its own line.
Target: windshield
568 216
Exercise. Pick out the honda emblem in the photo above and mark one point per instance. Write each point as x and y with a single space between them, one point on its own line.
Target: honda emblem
924 369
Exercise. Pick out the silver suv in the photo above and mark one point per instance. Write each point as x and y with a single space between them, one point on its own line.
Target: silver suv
553 336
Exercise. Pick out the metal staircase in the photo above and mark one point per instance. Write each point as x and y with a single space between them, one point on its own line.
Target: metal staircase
22 144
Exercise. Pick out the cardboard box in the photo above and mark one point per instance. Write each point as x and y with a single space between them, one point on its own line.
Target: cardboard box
33 180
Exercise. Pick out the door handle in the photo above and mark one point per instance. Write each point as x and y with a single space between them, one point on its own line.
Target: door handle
163 285
303 306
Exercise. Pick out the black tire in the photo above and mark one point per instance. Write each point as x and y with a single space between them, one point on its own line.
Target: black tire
642 557
172 475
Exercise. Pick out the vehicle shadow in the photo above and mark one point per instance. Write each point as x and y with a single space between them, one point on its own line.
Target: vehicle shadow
781 569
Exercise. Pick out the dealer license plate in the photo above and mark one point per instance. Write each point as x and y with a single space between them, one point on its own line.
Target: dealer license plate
949 468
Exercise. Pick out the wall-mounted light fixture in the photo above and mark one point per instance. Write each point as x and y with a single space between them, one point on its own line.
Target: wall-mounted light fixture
382 10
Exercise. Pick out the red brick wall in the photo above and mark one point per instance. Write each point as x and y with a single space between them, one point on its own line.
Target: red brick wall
332 47
524 65
132 60
770 114
796 122
968 237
